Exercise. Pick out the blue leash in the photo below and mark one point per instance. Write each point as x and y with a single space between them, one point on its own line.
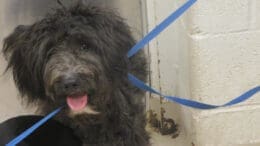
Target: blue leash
157 30
192 103
142 85
33 128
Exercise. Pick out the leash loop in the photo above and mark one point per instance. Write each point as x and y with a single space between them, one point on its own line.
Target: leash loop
191 103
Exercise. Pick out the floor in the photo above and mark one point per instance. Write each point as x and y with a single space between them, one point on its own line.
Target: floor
159 140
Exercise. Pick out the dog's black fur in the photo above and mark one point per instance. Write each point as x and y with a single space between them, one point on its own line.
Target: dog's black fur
52 133
86 44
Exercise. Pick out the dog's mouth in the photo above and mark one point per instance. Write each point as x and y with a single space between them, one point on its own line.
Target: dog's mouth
77 103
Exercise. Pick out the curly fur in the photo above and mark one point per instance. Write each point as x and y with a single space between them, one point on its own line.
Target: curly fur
92 43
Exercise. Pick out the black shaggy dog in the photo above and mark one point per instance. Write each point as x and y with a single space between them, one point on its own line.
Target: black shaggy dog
77 57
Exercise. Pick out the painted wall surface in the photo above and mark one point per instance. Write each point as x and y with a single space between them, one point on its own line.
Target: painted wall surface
225 62
222 41
169 53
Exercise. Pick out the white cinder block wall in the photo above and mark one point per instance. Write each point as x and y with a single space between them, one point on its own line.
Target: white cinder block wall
225 62
211 54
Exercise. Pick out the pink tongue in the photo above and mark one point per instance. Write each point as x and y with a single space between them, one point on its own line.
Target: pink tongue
77 103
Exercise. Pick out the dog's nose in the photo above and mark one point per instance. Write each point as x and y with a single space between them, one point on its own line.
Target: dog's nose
68 84
71 83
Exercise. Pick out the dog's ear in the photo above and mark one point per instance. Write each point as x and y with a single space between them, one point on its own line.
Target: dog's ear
11 42
25 51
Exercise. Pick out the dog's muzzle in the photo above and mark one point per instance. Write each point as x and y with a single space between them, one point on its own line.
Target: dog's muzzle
75 87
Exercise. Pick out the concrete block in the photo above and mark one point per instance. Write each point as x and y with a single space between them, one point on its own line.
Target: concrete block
228 127
254 15
225 66
218 16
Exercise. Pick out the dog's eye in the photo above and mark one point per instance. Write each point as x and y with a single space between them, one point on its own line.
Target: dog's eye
84 47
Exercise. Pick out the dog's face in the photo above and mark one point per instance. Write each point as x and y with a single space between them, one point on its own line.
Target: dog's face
75 73
74 56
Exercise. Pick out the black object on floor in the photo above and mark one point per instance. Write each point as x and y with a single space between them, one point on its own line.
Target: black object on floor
52 133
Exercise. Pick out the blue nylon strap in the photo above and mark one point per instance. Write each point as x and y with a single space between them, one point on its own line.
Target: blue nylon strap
31 129
162 26
190 103
243 97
